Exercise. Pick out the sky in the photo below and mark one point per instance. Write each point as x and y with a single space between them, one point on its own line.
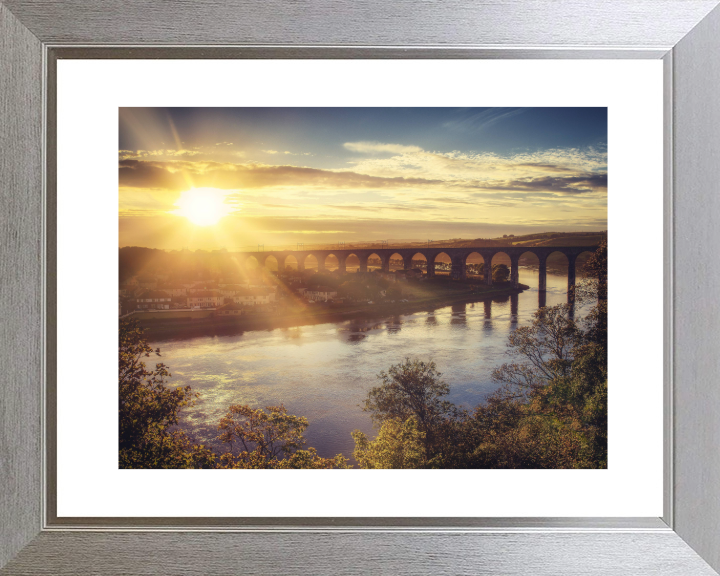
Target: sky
234 178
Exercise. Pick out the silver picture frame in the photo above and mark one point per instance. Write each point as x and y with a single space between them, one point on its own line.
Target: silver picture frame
685 34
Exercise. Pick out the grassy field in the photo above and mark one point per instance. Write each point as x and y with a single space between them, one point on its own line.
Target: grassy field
573 241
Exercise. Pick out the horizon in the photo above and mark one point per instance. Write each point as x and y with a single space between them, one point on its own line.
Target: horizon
371 243
221 178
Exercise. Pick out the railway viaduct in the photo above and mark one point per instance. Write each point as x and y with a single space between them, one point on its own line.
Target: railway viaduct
458 256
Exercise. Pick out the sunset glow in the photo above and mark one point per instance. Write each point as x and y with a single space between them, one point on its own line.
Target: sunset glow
203 206
232 178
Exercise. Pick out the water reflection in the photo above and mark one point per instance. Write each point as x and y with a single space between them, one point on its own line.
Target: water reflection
458 315
294 333
394 325
324 371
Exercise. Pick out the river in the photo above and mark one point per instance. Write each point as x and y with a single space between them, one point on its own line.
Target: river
323 372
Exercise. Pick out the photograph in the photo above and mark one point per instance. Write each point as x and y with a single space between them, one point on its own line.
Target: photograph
372 239
363 288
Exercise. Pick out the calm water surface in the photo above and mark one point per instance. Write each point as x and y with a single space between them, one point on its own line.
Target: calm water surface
323 372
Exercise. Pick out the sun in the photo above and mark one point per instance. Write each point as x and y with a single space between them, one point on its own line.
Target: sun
203 206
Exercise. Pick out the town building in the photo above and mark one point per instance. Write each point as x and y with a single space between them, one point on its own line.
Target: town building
174 289
253 297
205 299
321 294
153 300
230 290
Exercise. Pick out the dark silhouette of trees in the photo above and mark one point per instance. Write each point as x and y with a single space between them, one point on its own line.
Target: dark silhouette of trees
500 273
149 410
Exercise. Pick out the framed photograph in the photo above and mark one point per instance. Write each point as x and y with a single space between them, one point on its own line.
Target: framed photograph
316 227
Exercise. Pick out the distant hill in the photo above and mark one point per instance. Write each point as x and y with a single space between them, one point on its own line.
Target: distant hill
541 239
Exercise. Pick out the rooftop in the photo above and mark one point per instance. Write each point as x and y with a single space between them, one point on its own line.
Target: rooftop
153 294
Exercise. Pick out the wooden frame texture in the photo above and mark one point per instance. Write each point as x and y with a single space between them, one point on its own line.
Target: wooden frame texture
684 33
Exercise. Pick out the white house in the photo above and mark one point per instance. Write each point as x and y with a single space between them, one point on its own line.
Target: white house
205 299
321 294
153 300
253 297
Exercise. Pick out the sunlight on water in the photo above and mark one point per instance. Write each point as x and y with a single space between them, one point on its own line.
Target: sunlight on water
324 371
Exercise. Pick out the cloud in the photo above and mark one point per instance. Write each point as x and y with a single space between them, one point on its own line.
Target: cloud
182 175
351 208
563 185
451 201
548 167
479 120
379 147
287 152
460 167
308 232
129 154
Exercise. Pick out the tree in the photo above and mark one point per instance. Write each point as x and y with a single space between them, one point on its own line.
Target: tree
148 410
269 438
500 273
594 286
411 388
597 268
355 289
551 408
547 347
399 444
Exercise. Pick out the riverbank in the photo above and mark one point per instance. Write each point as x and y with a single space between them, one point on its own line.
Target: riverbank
183 328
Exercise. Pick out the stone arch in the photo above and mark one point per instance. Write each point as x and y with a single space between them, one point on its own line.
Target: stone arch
290 262
353 262
581 259
310 262
375 262
420 261
498 258
251 263
474 264
331 262
272 263
557 260
501 257
396 261
530 259
442 263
